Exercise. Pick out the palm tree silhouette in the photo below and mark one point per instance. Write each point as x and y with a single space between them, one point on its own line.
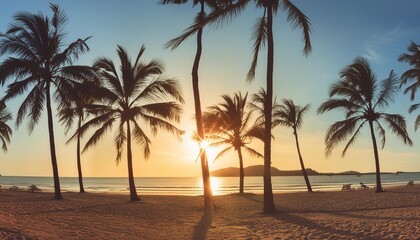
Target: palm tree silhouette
228 123
197 27
290 115
76 110
138 93
39 64
358 94
412 76
262 35
5 130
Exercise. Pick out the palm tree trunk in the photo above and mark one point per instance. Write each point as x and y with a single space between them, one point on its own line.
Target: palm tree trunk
375 151
57 190
268 189
305 175
241 171
208 196
79 164
133 191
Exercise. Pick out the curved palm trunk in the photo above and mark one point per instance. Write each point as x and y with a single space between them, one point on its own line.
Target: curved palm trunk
57 190
133 191
305 175
79 164
268 190
375 151
241 172
208 196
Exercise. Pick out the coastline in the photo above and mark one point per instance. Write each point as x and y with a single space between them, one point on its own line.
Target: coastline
360 214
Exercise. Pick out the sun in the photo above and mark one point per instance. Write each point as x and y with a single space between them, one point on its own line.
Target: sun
205 144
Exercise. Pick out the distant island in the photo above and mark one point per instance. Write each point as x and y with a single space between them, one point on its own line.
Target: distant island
258 170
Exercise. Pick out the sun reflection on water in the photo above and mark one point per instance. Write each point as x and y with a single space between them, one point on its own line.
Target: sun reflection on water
216 185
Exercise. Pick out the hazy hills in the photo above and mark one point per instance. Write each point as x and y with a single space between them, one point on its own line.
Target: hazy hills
258 170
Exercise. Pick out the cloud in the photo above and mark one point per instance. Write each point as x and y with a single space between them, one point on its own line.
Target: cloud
380 42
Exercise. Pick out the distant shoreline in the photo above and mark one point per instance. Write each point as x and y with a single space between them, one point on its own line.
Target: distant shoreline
258 170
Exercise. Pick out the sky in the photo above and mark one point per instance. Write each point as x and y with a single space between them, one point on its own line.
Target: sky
379 30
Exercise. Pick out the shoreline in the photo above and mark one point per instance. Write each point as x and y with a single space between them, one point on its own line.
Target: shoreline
360 214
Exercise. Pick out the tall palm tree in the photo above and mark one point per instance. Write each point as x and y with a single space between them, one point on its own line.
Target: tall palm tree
412 76
197 27
5 130
76 110
291 115
229 123
262 35
358 94
38 64
139 93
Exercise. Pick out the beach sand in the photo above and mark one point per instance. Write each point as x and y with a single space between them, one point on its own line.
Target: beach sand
360 214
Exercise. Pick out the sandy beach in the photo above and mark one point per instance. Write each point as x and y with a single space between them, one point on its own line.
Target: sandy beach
360 214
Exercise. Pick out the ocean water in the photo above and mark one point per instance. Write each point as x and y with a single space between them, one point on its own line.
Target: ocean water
193 185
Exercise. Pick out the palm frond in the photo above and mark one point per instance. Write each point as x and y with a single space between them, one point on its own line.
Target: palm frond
253 152
259 35
414 107
352 139
165 110
417 123
98 134
397 125
388 90
339 131
140 136
156 123
299 20
119 139
223 152
381 131
342 104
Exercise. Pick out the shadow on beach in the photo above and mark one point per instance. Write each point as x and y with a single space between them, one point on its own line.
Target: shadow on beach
202 227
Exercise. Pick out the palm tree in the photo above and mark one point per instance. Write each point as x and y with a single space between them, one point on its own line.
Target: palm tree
5 130
138 93
262 35
38 64
76 110
413 74
228 123
290 115
197 27
358 94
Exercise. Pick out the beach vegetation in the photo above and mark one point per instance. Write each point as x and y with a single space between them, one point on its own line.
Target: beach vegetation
230 124
362 97
140 95
291 115
411 77
39 66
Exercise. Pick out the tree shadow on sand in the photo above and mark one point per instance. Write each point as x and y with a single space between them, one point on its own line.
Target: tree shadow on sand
301 221
202 227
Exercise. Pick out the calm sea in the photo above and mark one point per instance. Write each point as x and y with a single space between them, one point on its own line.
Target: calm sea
193 185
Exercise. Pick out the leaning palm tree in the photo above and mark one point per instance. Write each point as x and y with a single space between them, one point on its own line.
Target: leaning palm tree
262 35
197 27
360 96
5 130
291 115
229 124
38 64
136 96
412 76
76 111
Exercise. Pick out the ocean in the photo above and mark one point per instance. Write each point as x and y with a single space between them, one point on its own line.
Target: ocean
220 185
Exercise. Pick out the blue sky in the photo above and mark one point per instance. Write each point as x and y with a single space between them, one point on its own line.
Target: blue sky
379 30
